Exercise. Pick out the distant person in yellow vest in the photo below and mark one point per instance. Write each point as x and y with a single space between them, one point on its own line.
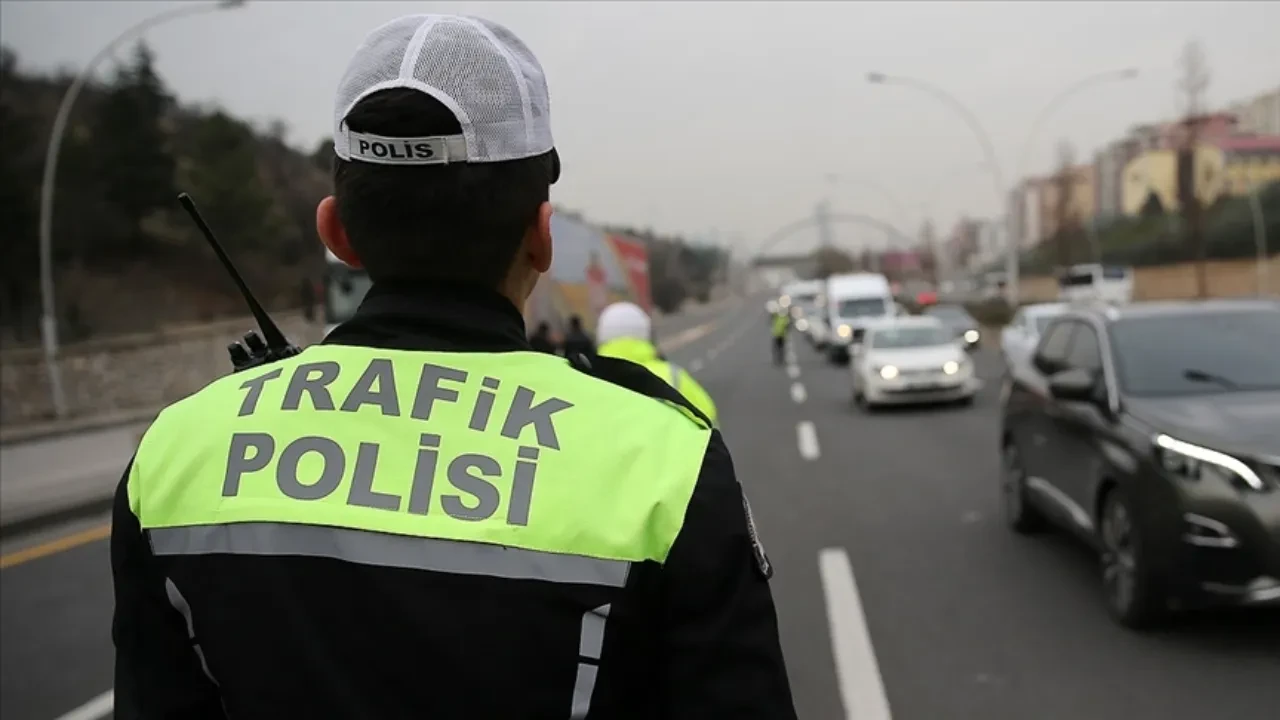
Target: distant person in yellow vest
625 332
421 516
781 324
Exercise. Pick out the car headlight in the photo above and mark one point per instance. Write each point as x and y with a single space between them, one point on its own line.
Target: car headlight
844 331
950 367
971 336
1194 462
888 372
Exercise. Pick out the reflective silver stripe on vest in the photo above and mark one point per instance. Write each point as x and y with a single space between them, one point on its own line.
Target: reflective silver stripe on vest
373 548
590 644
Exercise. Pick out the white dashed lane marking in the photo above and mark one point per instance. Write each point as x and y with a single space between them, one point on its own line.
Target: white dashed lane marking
857 672
807 440
797 392
96 708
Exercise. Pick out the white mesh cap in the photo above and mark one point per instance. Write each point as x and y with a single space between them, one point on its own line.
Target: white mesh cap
478 69
623 320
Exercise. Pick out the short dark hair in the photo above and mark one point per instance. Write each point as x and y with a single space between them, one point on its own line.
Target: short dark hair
458 222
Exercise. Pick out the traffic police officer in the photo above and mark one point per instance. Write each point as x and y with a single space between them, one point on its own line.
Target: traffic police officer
624 331
780 325
422 517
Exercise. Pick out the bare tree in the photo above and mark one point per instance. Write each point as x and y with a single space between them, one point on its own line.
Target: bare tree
1192 86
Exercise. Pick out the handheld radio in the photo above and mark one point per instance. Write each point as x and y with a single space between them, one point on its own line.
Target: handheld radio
254 349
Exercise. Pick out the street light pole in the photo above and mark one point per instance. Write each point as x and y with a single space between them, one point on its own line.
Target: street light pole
988 151
1260 239
1051 107
985 141
48 318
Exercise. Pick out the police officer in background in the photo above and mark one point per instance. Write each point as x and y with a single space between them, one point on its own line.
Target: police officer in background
576 340
624 331
422 517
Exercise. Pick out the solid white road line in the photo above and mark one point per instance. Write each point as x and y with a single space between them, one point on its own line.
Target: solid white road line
96 708
857 673
807 439
797 392
793 371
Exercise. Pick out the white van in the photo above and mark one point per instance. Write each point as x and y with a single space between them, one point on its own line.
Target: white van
853 301
1095 282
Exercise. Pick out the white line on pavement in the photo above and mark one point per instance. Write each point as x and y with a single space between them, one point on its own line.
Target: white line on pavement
96 708
857 673
807 439
797 392
793 371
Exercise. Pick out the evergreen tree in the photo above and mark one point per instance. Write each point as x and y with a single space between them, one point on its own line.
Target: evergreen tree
134 159
223 175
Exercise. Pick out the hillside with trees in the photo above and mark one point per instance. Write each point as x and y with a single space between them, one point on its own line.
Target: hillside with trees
126 256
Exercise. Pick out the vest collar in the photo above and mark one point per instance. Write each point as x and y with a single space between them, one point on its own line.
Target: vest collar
632 349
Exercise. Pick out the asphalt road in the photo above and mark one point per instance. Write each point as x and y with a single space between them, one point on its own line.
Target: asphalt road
900 593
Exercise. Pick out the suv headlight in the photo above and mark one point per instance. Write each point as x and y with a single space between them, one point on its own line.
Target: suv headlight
888 372
1194 462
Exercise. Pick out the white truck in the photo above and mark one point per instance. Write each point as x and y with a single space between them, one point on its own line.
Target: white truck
1093 282
852 301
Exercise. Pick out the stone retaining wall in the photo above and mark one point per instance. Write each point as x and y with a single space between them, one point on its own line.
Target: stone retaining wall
146 370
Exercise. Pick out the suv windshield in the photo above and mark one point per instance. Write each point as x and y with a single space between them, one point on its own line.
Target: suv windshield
1198 353
860 307
910 337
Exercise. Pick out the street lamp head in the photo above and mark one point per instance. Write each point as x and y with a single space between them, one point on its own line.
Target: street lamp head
876 78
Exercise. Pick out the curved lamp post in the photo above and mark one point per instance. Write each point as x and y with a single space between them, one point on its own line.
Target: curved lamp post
48 319
985 141
988 151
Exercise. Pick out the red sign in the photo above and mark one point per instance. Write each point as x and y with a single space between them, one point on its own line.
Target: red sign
597 286
634 259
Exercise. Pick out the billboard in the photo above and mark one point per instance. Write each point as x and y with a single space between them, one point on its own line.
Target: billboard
589 270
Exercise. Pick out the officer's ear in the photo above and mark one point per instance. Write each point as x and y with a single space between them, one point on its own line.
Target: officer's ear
333 233
537 240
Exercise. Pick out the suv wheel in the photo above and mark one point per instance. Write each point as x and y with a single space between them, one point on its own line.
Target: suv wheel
1022 516
1133 594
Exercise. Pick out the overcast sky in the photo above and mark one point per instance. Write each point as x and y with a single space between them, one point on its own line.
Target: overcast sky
729 117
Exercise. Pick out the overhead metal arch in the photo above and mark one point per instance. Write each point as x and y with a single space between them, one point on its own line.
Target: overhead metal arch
790 229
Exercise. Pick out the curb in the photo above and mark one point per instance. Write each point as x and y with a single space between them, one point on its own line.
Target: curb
52 518
55 429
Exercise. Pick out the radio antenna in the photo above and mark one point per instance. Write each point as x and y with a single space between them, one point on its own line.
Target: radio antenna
270 331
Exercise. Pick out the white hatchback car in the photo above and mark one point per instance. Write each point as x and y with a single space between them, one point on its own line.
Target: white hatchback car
913 359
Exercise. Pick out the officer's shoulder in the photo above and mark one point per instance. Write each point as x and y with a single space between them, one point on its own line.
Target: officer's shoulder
638 379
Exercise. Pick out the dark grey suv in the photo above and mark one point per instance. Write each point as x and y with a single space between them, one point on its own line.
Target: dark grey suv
1152 431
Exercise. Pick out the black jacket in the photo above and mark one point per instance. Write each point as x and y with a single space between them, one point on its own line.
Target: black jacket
577 342
312 637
